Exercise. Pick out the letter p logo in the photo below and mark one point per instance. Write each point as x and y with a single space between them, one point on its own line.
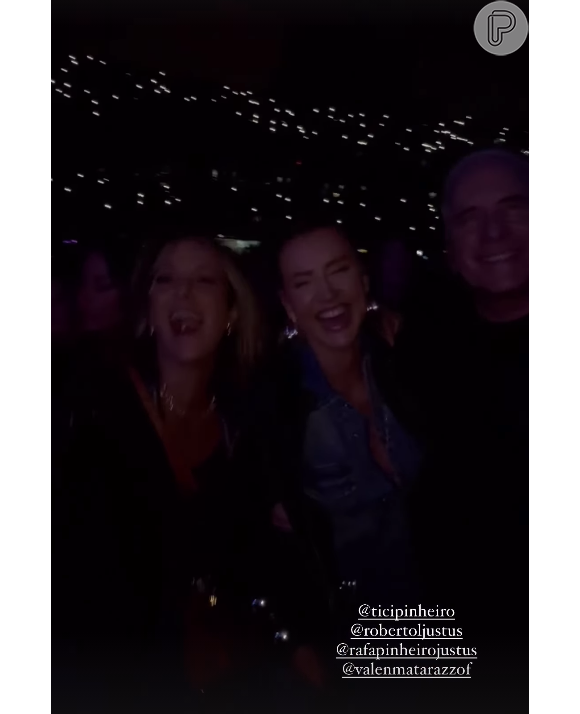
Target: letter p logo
499 23
500 28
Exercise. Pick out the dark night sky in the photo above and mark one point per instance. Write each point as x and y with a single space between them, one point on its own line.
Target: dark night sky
409 55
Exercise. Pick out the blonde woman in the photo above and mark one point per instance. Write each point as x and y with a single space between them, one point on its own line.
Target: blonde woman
162 535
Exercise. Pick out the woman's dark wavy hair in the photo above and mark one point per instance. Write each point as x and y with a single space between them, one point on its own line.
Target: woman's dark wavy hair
309 221
241 350
118 261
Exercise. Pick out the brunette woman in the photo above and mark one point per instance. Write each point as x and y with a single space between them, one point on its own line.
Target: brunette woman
61 326
343 419
101 309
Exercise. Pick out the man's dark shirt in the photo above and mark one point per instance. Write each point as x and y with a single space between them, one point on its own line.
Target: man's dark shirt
469 380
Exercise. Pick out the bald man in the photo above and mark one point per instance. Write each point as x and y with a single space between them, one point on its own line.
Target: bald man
485 209
475 499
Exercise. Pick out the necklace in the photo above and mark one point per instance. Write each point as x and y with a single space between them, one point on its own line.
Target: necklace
170 404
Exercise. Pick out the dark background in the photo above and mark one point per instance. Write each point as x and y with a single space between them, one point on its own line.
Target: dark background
418 61
418 55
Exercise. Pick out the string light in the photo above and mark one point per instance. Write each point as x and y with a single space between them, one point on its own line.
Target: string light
415 141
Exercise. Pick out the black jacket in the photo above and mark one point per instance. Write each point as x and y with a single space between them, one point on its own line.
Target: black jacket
469 379
125 546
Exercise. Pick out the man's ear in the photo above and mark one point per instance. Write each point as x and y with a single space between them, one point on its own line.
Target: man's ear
284 300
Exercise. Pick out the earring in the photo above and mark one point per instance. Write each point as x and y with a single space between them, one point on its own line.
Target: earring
372 306
151 331
290 332
229 329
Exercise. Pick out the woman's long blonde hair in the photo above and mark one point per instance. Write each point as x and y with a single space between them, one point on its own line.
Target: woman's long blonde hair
243 347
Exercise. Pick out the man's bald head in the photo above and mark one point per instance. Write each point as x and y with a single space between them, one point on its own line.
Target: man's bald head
479 161
485 209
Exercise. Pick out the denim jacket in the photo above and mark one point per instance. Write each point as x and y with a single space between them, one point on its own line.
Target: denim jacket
366 508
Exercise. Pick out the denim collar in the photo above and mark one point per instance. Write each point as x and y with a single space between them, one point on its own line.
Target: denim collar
312 377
